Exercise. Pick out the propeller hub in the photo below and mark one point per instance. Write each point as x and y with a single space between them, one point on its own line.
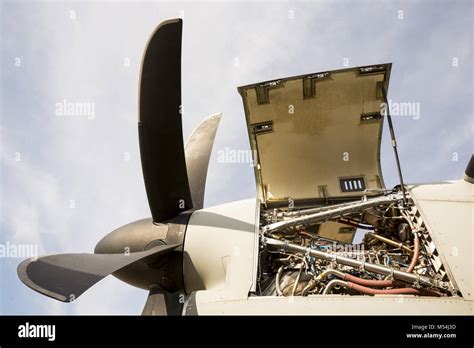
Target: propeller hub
162 270
132 237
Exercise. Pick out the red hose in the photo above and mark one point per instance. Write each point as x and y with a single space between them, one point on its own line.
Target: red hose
367 282
370 291
387 283
357 283
416 252
361 285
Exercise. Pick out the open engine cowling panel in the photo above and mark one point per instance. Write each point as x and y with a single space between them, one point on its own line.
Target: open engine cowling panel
317 137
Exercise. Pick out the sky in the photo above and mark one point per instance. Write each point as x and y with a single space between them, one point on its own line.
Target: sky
66 181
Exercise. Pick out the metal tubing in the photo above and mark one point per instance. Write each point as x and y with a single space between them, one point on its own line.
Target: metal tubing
333 283
277 281
328 272
333 212
390 242
296 213
370 267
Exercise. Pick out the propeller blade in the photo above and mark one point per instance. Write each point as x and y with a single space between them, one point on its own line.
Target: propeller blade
160 126
65 277
198 152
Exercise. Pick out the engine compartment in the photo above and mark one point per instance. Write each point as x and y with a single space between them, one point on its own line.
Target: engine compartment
395 255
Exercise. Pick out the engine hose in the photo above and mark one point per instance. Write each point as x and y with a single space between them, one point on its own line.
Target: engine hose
354 279
368 282
277 281
370 291
416 242
416 253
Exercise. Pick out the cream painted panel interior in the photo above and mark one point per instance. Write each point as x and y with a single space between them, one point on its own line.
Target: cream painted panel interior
308 148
